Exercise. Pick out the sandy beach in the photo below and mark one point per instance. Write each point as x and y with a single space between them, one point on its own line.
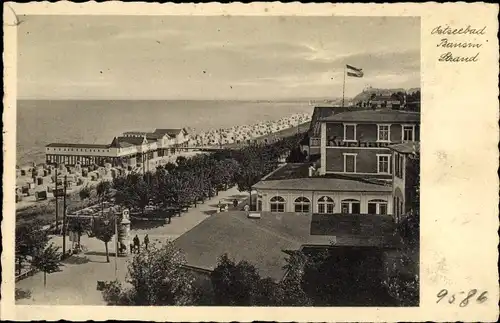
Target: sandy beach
33 180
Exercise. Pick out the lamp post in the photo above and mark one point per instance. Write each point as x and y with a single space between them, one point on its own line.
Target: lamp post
64 215
57 198
106 222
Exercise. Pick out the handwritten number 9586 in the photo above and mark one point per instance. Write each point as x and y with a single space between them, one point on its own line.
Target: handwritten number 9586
464 301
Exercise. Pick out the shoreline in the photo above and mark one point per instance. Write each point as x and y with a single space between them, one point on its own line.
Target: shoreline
245 131
27 204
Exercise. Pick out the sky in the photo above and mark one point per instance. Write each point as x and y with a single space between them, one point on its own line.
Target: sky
218 57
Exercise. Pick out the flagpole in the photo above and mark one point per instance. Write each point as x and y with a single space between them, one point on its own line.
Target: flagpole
343 90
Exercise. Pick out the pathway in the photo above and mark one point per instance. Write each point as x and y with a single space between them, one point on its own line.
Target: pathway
76 283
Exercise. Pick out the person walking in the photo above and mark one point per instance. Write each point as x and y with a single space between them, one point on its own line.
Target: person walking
137 244
146 241
235 203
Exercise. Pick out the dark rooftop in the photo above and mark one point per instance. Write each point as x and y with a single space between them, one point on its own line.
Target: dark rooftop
117 143
62 145
321 112
295 176
374 116
262 242
170 132
406 147
136 141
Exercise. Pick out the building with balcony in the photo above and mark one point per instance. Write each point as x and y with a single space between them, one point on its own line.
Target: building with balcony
311 143
356 143
355 173
130 149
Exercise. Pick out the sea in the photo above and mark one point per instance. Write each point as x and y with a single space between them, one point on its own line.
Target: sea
40 122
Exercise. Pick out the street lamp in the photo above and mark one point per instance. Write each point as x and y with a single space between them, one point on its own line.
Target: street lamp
106 222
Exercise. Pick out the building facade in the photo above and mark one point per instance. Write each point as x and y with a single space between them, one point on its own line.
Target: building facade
130 149
405 178
358 172
357 143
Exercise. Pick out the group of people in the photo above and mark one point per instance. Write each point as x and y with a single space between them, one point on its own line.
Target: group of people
135 246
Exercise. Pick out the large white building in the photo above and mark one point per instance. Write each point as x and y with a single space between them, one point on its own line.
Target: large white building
127 150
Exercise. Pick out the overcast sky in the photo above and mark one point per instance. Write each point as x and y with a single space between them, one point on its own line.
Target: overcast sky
174 57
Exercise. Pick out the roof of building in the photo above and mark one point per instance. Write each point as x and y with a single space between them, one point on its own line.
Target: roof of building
170 132
406 147
118 143
374 116
136 141
135 133
263 242
63 145
295 176
322 184
385 98
321 112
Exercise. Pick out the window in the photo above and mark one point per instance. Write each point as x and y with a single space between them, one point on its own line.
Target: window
302 205
383 132
377 207
325 205
398 165
350 206
408 133
349 132
277 204
383 164
349 163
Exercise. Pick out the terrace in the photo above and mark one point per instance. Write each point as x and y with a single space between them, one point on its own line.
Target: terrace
264 241
295 176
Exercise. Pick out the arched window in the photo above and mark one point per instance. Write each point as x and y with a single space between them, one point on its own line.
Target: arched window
277 204
377 207
302 205
350 206
325 205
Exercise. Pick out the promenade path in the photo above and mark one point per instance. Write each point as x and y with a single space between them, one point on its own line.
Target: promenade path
76 283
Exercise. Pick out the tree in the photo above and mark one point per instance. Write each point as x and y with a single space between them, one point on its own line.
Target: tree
85 193
292 284
234 284
47 260
103 190
29 241
157 278
247 176
104 230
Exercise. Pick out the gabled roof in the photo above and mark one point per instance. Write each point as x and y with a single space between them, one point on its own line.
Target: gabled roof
170 132
374 116
124 142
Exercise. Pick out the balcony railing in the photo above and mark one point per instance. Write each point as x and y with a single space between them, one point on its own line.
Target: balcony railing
358 143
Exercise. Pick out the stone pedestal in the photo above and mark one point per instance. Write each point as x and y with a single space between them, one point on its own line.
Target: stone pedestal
124 235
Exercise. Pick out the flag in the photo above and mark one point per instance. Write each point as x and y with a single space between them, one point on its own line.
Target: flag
354 71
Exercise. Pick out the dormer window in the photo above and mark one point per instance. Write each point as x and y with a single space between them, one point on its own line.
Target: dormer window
349 132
